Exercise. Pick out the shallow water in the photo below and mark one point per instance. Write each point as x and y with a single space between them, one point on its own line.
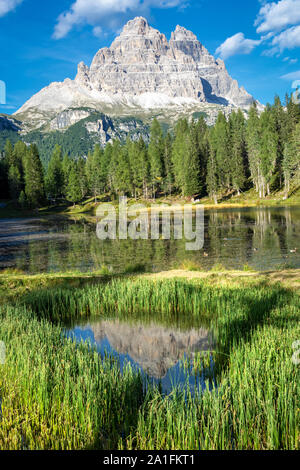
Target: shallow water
159 353
259 237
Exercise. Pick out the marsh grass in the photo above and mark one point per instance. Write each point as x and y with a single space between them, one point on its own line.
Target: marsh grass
56 394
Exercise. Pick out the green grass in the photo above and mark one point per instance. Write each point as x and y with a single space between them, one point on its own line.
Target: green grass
59 396
56 395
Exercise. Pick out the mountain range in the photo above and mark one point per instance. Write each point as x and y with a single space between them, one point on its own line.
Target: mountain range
140 76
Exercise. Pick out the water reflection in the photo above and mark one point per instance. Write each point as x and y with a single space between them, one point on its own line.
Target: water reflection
153 349
260 237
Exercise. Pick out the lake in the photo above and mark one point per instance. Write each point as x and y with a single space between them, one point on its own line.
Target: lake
261 238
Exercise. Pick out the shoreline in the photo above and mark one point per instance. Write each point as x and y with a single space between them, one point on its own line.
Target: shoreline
13 281
89 209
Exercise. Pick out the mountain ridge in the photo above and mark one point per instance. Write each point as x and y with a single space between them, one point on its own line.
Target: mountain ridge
142 73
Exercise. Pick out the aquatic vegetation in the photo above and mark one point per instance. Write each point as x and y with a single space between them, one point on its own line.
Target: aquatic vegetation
59 395
56 395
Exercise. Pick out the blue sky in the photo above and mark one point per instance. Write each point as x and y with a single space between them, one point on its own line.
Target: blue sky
43 41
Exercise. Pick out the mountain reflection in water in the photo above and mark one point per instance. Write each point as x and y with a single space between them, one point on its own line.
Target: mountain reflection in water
155 350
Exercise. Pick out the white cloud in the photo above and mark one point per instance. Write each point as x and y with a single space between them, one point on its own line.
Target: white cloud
236 44
277 16
289 60
291 76
8 5
289 39
106 13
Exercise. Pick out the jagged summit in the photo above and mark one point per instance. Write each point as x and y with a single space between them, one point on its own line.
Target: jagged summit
139 26
183 34
143 71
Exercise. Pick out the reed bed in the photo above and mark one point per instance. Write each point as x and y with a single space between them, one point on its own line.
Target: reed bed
59 395
56 395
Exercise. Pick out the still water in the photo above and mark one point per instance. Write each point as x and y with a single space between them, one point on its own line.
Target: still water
164 355
263 238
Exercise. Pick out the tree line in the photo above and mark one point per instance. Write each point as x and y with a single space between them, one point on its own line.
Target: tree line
234 155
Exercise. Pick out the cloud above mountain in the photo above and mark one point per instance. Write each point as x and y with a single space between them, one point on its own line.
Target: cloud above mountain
236 44
108 14
277 16
278 27
8 5
289 39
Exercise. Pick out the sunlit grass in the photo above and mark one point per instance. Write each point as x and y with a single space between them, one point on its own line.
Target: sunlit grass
59 395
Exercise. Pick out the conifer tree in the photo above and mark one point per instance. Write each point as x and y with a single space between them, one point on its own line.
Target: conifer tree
212 180
74 193
179 153
291 160
95 172
168 165
281 126
268 149
8 152
144 166
22 200
54 180
237 150
155 152
15 182
34 177
81 170
220 148
253 147
66 168
191 184
18 155
220 153
137 157
123 173
203 144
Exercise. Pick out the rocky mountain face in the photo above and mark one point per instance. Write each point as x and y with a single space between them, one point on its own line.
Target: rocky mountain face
141 74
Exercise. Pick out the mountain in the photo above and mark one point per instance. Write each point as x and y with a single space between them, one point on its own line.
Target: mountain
141 74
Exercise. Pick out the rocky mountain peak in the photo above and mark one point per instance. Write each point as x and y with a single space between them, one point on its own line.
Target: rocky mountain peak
137 26
136 36
183 34
142 71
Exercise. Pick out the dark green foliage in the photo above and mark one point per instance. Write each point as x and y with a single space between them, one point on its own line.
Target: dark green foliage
156 153
237 129
34 178
14 181
54 181
195 160
74 193
139 164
